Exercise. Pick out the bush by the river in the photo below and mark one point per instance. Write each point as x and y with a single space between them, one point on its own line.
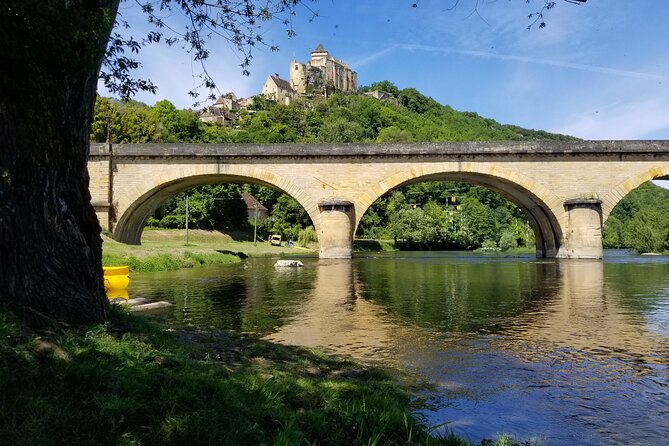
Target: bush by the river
168 262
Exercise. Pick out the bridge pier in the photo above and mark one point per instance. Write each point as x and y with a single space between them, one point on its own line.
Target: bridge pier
583 238
335 229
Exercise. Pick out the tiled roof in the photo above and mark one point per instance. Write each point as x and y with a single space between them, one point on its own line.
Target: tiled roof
320 49
282 84
251 201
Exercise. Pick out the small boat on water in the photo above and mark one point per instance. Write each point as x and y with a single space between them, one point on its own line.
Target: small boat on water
116 281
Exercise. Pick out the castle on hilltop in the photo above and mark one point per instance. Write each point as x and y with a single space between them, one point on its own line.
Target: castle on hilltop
323 74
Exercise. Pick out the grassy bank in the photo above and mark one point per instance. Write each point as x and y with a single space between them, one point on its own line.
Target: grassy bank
371 245
166 250
130 382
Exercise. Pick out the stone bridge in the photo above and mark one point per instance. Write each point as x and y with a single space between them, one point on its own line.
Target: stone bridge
566 189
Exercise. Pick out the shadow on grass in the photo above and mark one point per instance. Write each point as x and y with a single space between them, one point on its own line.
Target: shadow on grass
133 382
239 254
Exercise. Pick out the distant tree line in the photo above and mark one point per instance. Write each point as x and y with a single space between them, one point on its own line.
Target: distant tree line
434 215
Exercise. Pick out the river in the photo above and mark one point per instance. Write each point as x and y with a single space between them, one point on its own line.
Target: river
559 352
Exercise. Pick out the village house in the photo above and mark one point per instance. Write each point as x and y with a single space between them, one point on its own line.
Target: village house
215 115
278 90
224 111
228 101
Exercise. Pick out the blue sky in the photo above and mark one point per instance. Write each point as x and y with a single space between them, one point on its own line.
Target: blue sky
597 71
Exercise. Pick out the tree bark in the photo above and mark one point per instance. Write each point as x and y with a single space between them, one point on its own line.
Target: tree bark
50 245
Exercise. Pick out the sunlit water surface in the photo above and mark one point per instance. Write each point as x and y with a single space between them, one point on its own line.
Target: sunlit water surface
564 352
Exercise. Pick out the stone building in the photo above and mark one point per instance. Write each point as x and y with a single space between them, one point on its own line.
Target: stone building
215 115
323 74
376 94
252 204
224 111
228 101
278 90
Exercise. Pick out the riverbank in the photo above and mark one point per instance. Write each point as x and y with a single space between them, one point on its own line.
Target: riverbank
166 250
132 382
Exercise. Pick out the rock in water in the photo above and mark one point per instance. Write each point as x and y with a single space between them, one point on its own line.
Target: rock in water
288 264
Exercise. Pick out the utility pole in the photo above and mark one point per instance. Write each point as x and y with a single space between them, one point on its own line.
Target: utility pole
186 220
255 225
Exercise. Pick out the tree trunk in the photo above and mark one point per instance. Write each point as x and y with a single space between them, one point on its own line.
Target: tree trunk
50 246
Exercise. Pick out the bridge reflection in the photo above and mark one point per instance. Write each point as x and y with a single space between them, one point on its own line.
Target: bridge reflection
394 310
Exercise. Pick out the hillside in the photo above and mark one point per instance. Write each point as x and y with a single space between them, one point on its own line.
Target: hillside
406 116
436 215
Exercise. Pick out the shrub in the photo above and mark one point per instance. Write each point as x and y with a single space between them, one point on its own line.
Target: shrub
489 245
508 241
307 236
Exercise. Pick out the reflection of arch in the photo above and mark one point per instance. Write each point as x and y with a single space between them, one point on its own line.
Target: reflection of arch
538 203
621 190
151 194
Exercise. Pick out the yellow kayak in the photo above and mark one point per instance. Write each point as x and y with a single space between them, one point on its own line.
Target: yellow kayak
116 279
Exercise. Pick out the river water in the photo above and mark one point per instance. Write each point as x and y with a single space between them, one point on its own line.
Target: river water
560 352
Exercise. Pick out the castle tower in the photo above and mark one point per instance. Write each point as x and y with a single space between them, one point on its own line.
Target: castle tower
297 76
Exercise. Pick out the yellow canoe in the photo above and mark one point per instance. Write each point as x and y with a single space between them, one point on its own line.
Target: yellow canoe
116 278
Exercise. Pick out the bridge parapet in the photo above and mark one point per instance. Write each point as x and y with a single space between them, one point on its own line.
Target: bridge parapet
514 149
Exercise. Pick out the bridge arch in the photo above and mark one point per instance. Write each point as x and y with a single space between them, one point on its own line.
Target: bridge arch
142 200
619 192
543 209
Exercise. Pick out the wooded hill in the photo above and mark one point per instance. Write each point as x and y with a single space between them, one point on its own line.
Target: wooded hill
433 215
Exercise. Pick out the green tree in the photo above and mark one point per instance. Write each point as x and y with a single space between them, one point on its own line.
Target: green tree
613 233
393 134
210 207
123 122
288 218
414 226
477 225
645 209
384 86
413 100
176 125
340 130
647 232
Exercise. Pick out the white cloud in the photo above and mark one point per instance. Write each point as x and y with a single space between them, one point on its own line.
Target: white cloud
369 58
621 120
533 60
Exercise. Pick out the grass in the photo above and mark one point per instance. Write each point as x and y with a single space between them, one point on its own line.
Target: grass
166 250
168 262
131 382
370 245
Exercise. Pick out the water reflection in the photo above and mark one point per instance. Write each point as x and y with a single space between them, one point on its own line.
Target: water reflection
588 316
576 352
335 317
